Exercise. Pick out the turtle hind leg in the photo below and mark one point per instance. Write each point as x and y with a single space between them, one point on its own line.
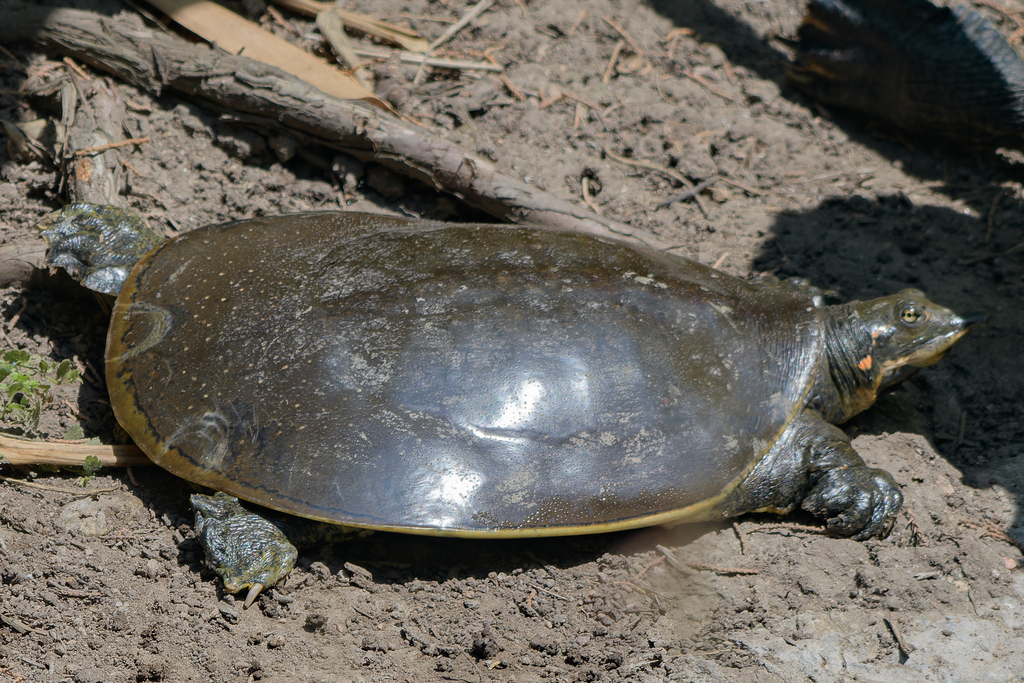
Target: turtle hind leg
252 550
97 244
813 466
245 549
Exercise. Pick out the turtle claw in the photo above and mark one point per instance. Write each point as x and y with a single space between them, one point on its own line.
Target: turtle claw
245 549
254 592
860 502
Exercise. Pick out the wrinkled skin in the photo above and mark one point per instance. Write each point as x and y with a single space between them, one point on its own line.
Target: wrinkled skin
479 380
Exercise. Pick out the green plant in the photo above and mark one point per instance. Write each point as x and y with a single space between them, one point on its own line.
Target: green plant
25 383
89 469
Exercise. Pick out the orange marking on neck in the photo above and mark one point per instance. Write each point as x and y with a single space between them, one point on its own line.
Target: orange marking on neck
865 363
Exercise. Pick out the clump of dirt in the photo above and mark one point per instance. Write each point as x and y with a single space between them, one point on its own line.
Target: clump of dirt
107 582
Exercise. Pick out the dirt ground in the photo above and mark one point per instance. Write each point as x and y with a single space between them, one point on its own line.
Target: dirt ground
112 586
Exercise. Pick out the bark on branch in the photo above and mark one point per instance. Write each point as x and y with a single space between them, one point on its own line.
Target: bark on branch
155 61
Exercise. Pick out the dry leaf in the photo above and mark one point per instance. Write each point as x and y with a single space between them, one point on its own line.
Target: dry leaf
237 35
410 40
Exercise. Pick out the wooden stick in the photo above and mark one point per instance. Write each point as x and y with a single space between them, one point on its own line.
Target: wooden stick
415 58
451 31
692 192
110 145
18 452
155 61
330 25
460 24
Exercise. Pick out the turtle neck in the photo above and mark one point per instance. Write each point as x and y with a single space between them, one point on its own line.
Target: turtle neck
850 382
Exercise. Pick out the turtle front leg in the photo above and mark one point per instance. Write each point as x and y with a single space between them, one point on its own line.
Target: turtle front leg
855 500
814 466
97 244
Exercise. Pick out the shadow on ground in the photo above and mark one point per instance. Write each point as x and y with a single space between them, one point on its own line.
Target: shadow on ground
969 174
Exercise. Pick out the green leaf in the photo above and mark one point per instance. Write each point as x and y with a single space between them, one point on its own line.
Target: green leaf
73 433
65 372
92 465
17 356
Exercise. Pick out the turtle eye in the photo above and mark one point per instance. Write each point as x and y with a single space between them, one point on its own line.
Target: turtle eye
912 315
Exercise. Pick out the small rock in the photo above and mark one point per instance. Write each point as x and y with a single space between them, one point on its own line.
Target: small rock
720 194
85 517
275 641
88 517
118 621
152 667
485 646
93 675
284 146
228 612
316 621
1011 450
376 643
242 143
154 569
761 91
548 646
320 570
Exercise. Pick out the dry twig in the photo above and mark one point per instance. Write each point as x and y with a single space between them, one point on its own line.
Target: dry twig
993 530
110 145
667 172
741 536
692 192
451 31
438 62
587 197
80 493
333 29
788 526
905 647
622 32
707 86
610 69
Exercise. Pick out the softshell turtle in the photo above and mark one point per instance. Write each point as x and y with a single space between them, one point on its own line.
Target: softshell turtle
482 380
930 70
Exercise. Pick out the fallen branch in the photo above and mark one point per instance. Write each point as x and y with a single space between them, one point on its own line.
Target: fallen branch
155 61
18 452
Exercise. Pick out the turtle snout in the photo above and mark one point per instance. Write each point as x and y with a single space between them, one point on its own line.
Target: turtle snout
972 320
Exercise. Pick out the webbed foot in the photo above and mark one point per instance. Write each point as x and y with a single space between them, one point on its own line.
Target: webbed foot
245 549
97 244
858 501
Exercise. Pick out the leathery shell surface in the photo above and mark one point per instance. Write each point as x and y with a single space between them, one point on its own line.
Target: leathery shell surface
452 379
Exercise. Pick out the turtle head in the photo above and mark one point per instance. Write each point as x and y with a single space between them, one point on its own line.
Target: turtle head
907 332
872 345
